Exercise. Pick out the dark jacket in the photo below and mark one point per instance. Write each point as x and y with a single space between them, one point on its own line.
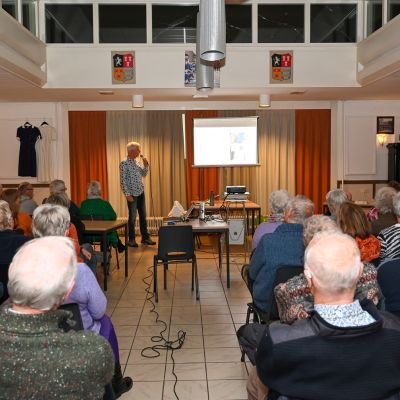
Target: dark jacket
284 246
41 361
10 242
314 360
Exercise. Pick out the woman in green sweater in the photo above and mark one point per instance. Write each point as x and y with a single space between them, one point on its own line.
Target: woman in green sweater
95 207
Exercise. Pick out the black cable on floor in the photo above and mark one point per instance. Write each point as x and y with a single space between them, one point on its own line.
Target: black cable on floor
155 351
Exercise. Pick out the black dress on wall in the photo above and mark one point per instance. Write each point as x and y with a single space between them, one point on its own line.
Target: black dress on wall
28 135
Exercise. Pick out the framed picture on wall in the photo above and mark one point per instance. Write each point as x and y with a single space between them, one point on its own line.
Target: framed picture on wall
385 125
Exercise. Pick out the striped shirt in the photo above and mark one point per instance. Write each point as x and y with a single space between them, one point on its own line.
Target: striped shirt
390 242
131 173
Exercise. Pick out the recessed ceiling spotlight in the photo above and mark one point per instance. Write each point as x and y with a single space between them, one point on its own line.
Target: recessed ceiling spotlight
200 96
106 92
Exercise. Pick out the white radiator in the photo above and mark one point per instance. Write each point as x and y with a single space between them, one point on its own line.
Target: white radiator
153 224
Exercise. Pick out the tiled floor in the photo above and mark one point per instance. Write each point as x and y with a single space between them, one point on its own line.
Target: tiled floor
208 364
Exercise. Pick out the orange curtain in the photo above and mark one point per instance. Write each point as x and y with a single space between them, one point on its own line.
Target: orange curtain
199 181
87 152
313 150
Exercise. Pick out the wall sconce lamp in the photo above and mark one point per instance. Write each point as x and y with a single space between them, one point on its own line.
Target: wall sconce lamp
265 101
381 138
137 101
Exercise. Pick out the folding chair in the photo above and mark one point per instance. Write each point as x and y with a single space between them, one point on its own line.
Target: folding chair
175 245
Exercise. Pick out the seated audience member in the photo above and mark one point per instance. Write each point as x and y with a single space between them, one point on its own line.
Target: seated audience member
282 247
277 204
395 185
389 283
10 242
294 298
381 216
344 350
28 205
390 237
22 221
54 220
58 187
94 205
38 359
353 221
334 199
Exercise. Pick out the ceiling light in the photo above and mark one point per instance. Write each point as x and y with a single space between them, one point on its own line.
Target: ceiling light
106 92
298 92
200 96
265 100
137 101
212 30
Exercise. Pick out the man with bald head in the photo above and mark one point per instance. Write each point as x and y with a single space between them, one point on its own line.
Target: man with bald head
38 359
344 350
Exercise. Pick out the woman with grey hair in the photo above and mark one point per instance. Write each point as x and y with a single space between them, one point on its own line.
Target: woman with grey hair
58 187
382 215
278 201
294 298
334 199
95 206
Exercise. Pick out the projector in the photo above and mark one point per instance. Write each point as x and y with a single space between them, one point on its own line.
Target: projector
235 189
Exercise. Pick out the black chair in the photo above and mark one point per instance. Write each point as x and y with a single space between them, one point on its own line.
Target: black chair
96 239
282 275
389 282
76 316
175 245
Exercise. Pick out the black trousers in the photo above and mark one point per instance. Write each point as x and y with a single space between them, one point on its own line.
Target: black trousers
137 204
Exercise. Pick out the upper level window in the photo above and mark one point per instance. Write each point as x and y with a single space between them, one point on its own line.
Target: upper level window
174 24
238 23
69 23
10 6
281 23
122 23
394 8
374 15
333 23
29 15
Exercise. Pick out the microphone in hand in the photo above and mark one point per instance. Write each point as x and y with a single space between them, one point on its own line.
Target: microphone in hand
144 159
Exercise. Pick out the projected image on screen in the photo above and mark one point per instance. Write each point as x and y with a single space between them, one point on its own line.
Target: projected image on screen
225 141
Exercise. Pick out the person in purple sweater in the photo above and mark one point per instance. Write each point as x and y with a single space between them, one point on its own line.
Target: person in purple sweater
278 200
54 220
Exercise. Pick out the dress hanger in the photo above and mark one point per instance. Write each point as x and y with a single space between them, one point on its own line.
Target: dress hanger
27 124
43 123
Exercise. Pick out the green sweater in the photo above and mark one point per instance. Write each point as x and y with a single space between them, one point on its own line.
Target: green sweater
38 360
100 207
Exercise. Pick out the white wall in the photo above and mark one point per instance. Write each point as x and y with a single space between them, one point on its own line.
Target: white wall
13 115
356 155
82 66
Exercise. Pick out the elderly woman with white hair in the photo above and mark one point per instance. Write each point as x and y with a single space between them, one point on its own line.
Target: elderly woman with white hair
278 201
10 242
334 199
54 220
95 206
382 215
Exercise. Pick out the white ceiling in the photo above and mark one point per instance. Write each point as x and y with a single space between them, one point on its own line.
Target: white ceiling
15 89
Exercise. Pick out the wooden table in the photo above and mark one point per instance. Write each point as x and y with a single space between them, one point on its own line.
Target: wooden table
250 208
102 228
221 228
